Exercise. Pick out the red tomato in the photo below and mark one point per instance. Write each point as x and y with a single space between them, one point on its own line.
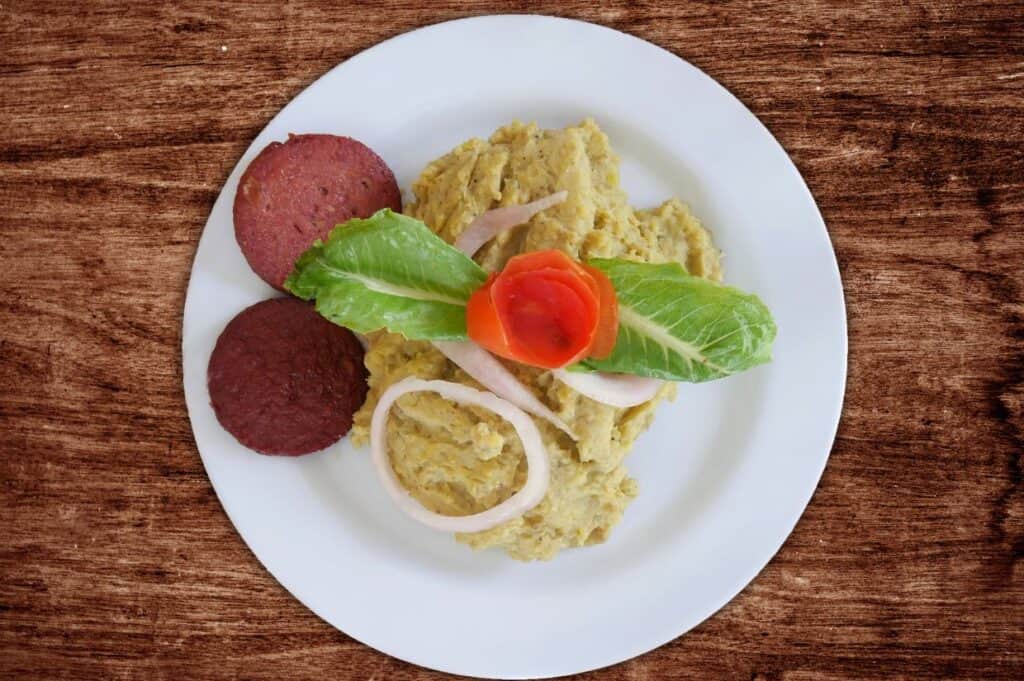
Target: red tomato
482 321
545 310
608 324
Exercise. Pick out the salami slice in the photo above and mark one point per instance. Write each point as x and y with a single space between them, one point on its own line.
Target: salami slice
284 380
295 192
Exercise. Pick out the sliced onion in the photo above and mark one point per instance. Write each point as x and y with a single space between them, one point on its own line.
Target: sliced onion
538 467
492 223
616 390
493 375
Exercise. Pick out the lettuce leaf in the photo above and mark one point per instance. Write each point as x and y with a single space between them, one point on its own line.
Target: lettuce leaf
388 271
682 328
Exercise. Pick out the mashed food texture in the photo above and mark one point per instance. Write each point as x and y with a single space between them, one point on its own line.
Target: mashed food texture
459 460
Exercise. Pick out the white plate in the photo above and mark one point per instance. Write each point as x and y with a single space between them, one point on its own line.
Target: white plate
724 473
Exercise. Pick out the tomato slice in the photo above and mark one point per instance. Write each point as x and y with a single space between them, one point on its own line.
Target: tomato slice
608 322
482 323
546 310
539 260
549 316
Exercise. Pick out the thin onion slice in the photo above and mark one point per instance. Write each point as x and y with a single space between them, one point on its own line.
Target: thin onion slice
616 390
493 375
492 223
538 467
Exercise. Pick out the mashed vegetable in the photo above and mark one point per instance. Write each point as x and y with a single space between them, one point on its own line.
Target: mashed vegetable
459 460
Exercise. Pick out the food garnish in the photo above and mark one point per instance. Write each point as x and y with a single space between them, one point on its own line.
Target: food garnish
391 272
492 374
616 390
494 222
544 310
538 467
681 328
388 271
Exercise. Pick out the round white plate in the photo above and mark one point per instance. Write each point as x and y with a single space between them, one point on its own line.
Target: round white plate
724 472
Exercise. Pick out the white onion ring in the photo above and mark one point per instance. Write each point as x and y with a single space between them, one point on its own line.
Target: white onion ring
492 374
538 467
616 390
492 223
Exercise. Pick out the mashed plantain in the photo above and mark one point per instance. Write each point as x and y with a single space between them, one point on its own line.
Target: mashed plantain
459 460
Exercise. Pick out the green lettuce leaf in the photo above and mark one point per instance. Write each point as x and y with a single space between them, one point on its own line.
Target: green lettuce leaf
683 328
388 271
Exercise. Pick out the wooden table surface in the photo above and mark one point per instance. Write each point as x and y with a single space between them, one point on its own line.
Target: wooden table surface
119 122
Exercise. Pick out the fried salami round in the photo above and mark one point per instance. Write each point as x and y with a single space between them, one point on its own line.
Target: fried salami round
283 380
295 192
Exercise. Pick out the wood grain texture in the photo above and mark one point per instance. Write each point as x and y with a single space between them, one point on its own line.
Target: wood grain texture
119 122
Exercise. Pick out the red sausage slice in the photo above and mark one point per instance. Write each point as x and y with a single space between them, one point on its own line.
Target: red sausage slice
284 380
294 193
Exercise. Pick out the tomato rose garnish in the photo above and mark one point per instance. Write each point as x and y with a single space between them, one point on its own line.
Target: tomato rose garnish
546 310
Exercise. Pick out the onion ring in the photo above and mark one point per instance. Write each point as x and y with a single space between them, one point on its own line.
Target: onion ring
538 466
